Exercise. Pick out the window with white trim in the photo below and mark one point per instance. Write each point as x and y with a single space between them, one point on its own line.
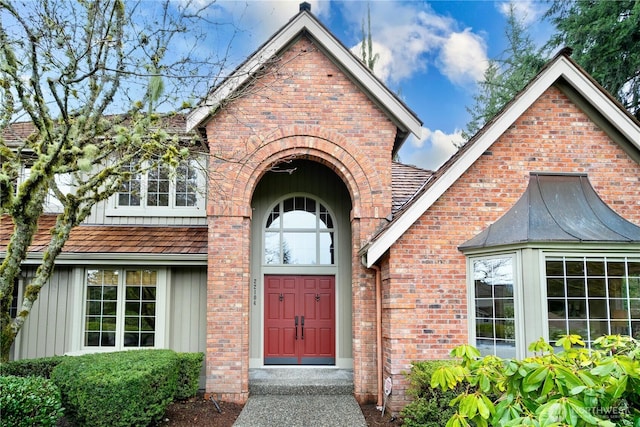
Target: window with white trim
161 191
299 231
493 299
592 296
121 308
512 304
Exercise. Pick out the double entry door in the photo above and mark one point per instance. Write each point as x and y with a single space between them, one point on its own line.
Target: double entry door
299 320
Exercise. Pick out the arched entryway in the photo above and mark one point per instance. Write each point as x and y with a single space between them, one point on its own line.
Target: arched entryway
300 312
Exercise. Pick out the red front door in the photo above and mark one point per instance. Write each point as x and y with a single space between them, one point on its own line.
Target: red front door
299 320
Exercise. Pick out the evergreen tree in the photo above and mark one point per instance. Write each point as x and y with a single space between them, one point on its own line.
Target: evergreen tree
366 49
605 38
505 76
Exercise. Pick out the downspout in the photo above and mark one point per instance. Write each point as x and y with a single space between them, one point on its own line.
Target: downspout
379 334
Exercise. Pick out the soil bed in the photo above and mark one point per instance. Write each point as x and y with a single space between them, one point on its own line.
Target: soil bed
200 412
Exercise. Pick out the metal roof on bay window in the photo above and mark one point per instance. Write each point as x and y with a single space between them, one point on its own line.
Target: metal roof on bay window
557 208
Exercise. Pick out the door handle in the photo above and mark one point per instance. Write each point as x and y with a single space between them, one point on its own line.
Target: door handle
302 324
296 327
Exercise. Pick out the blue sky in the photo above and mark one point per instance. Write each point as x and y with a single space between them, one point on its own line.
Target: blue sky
432 53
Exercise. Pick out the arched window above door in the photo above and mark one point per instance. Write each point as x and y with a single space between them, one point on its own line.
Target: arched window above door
299 231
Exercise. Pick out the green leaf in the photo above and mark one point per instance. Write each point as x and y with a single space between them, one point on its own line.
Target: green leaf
469 406
577 390
617 387
533 380
581 411
604 369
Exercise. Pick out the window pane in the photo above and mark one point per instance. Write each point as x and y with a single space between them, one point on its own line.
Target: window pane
555 268
129 194
299 248
575 268
598 308
272 248
100 307
147 340
299 219
575 287
484 308
615 269
494 306
556 309
555 287
597 287
595 268
158 186
274 216
139 305
326 248
605 305
617 288
325 218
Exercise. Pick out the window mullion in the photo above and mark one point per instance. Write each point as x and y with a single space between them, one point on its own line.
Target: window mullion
121 291
144 188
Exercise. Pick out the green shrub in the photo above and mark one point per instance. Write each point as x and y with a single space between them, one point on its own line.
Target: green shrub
573 387
189 366
29 401
430 407
130 388
41 367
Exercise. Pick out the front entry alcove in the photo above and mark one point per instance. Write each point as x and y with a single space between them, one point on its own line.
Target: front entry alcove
300 238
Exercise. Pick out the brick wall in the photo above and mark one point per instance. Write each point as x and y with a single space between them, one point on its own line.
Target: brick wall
302 106
425 296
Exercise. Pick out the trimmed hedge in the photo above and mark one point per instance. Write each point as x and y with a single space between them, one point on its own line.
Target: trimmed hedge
430 407
189 366
41 367
29 401
130 388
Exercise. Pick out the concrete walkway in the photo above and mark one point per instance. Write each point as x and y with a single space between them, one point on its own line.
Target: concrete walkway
301 411
301 397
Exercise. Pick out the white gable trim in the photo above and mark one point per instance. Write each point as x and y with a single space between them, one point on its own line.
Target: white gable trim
561 67
304 21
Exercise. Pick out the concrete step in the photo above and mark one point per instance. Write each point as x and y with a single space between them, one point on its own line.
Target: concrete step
300 381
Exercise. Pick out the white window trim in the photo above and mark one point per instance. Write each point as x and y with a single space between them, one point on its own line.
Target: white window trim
545 254
79 298
199 210
290 267
518 304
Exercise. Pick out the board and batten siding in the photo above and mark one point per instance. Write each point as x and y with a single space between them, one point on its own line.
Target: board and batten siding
46 332
100 215
188 309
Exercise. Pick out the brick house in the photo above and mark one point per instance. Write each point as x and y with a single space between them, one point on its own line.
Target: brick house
315 248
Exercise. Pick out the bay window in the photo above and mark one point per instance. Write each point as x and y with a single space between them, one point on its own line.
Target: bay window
515 299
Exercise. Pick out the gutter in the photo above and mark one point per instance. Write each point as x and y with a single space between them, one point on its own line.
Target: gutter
128 258
379 403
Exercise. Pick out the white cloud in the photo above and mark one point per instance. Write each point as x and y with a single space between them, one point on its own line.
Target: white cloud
264 18
432 149
410 37
383 67
463 57
526 11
